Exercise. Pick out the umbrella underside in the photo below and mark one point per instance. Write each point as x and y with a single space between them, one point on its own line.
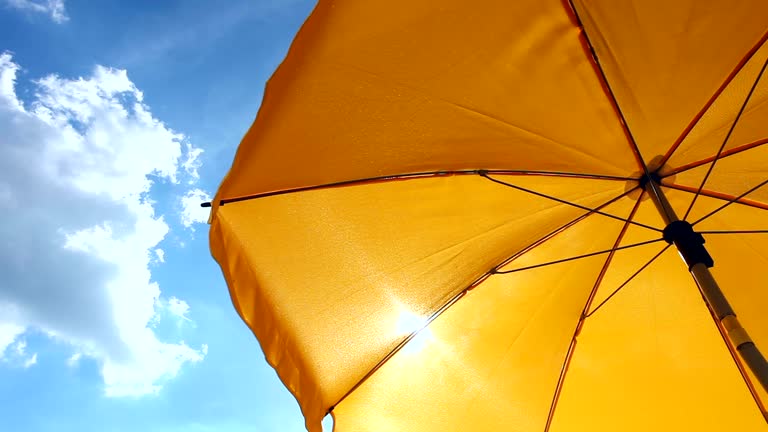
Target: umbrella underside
437 220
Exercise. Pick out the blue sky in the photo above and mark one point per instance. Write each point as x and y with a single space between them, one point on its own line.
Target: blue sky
116 119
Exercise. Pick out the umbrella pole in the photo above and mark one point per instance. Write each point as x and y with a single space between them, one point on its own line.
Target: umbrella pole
690 245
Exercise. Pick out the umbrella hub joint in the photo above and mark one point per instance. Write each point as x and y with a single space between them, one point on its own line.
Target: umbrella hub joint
650 177
689 243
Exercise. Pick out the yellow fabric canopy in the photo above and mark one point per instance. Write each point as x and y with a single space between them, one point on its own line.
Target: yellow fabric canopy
412 160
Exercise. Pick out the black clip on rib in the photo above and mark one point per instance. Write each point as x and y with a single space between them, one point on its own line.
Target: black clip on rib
689 243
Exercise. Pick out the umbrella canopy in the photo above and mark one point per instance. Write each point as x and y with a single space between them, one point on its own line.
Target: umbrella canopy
440 219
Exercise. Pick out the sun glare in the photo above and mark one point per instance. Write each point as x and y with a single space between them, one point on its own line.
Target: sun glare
407 323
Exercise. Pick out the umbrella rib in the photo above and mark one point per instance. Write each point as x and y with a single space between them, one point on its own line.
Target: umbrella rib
420 175
727 137
714 97
604 80
731 201
559 230
580 323
735 232
742 369
726 153
626 282
573 258
562 201
732 349
720 196
561 380
475 283
726 339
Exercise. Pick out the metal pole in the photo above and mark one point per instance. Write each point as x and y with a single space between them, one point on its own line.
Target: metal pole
691 248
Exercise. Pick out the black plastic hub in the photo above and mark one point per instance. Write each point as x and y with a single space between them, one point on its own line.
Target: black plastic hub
689 243
645 178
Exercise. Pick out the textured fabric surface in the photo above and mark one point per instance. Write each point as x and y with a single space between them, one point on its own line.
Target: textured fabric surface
409 158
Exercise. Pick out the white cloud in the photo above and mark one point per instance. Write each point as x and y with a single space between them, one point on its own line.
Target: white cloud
13 349
79 231
191 212
192 162
74 359
54 8
8 334
158 362
178 308
30 361
160 254
21 348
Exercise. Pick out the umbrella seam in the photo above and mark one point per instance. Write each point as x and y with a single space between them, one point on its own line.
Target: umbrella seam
567 202
460 106
470 239
592 54
726 153
588 255
623 285
692 124
736 199
731 199
407 176
461 294
727 137
580 321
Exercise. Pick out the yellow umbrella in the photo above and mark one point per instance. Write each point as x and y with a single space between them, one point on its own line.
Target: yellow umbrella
463 216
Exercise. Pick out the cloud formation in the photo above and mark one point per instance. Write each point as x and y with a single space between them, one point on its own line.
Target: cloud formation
191 211
178 308
8 334
54 8
14 352
79 231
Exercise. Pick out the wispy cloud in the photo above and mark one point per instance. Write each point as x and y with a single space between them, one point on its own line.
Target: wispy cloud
192 162
178 308
74 359
8 334
13 349
30 361
54 8
191 212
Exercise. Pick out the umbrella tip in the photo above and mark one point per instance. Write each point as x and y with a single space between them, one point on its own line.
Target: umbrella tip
205 204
